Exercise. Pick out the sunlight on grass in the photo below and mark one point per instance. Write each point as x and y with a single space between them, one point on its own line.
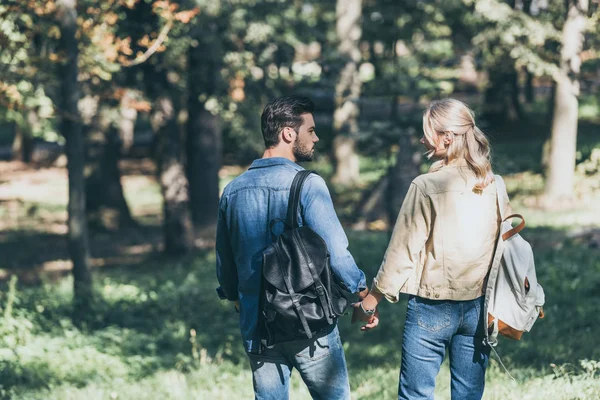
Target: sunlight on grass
158 330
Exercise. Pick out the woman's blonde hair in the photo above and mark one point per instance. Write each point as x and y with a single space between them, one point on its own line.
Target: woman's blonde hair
453 117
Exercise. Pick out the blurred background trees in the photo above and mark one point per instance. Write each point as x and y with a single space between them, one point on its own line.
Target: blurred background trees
122 120
182 83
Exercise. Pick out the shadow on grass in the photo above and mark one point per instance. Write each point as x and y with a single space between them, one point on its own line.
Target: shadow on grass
162 313
35 256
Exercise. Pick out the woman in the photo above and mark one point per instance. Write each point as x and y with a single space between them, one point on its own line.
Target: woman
439 254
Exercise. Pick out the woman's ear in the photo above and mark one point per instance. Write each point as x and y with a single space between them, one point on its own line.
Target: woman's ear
448 137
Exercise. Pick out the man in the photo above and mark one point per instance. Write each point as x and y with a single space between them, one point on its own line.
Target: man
246 208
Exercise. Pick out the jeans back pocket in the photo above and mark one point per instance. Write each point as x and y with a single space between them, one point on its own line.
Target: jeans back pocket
433 315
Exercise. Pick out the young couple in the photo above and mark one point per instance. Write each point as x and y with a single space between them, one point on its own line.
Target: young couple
439 254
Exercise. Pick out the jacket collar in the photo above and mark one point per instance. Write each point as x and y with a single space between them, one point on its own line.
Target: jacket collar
461 162
272 161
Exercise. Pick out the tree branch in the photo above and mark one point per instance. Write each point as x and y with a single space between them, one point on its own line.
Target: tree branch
152 49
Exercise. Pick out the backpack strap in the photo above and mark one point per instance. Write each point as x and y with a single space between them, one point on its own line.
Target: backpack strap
491 332
291 223
294 200
318 283
508 234
294 298
500 196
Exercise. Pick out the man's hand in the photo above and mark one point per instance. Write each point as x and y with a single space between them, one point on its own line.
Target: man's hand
236 304
363 294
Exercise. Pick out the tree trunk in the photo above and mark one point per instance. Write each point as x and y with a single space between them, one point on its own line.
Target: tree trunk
128 117
408 162
22 146
529 89
548 141
347 92
106 204
71 129
383 201
502 94
561 167
514 102
177 224
204 145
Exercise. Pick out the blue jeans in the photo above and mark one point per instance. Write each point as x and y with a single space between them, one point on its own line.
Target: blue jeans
320 362
432 326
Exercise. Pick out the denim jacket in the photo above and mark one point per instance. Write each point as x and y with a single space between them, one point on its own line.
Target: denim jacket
247 206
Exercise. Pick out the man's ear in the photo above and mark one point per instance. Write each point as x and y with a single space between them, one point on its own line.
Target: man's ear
287 134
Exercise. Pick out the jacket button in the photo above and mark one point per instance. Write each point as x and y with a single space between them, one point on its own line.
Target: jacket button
427 294
437 295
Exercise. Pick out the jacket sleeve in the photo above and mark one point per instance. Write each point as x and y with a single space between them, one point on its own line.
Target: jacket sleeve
408 239
318 213
226 268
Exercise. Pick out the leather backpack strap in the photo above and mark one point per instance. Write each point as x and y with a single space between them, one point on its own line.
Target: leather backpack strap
325 304
294 200
507 235
293 296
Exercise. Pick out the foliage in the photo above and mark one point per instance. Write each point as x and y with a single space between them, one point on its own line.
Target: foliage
418 53
528 41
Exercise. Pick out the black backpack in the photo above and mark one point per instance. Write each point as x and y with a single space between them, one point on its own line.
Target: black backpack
299 295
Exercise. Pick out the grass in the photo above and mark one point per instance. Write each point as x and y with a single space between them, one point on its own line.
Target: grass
140 344
158 330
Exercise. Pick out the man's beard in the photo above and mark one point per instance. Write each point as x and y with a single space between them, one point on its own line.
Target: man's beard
302 154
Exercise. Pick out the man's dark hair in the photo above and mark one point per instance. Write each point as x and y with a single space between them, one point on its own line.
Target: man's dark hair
282 112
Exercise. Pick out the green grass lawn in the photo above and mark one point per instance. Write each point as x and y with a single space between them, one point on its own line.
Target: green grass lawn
140 343
159 331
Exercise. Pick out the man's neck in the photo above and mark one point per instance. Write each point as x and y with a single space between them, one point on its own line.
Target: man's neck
278 152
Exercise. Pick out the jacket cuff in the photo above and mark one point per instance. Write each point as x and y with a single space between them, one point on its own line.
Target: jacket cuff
392 298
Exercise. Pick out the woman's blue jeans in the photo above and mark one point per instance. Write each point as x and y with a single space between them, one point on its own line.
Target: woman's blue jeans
432 326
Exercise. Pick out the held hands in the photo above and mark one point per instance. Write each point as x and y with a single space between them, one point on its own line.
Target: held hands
368 302
359 315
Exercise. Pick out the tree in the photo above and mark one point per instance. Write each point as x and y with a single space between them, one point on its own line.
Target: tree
204 143
347 92
507 40
177 225
163 85
401 175
561 163
529 89
106 205
71 129
26 46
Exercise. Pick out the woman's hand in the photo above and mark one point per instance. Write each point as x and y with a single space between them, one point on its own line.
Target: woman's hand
368 303
358 315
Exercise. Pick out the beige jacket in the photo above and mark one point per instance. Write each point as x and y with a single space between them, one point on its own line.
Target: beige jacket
444 239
